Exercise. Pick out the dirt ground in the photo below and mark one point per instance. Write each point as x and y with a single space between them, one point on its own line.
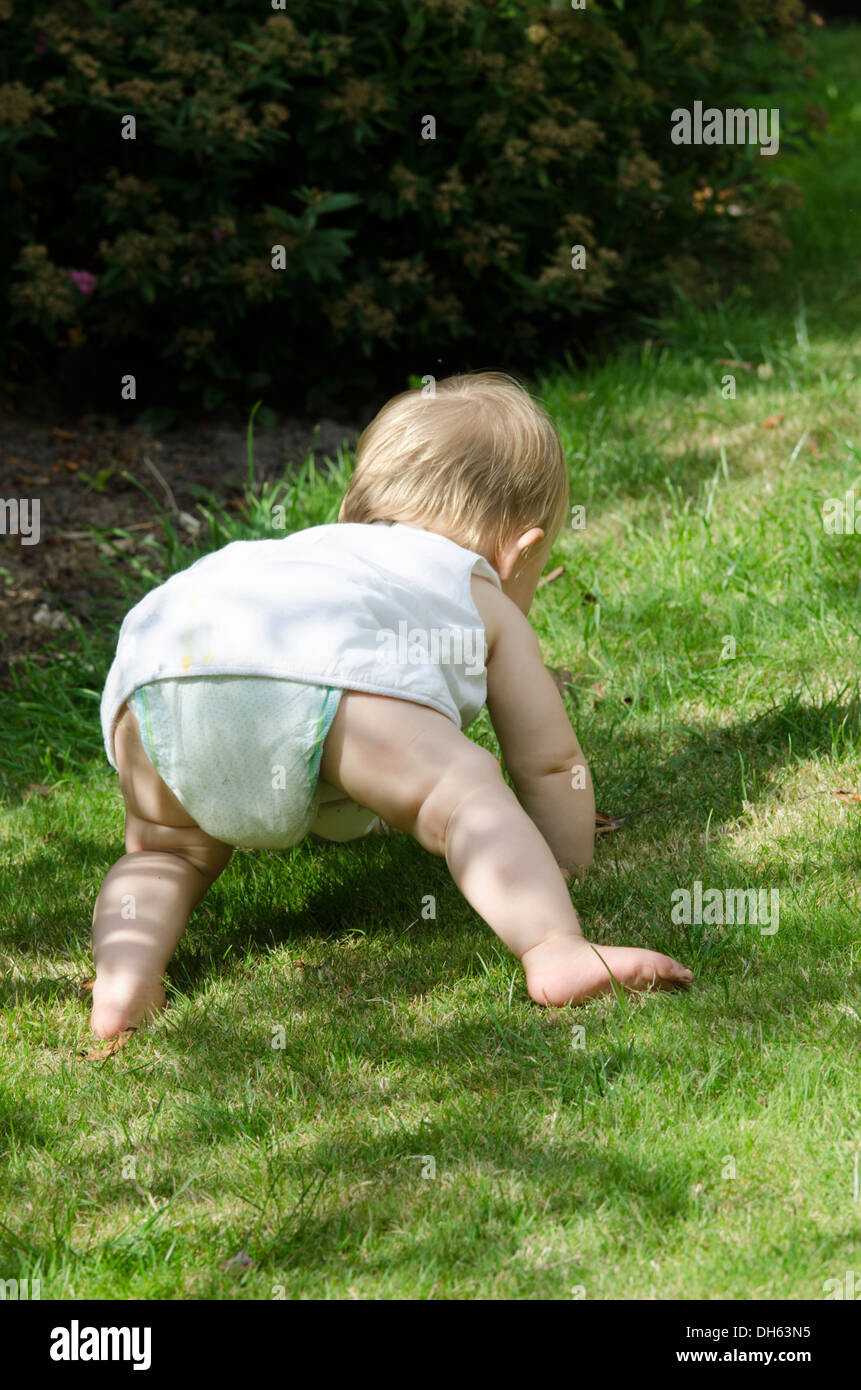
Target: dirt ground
75 467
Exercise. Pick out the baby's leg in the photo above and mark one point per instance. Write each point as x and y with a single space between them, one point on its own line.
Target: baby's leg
144 904
419 773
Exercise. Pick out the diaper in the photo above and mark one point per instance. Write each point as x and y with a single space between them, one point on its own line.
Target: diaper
242 755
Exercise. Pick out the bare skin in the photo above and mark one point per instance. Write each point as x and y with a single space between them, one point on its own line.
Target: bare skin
510 855
168 865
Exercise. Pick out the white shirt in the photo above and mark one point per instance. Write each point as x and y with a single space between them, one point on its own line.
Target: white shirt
383 607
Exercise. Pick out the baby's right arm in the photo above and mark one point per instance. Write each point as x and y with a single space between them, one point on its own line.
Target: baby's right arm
539 746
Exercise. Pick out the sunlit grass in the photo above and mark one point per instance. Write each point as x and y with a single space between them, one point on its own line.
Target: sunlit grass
419 1129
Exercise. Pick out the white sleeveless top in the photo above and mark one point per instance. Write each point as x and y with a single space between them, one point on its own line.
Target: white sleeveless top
382 607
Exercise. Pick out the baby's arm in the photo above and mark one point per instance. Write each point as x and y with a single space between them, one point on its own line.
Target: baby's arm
539 747
416 770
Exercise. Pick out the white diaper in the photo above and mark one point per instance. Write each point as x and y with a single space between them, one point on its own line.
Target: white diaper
242 755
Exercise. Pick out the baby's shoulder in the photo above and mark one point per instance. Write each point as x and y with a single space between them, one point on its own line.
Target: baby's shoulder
496 609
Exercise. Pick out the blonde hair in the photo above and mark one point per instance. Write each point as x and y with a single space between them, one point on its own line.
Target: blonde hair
479 461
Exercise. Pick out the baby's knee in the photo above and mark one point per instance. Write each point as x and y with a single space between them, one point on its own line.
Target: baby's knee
189 844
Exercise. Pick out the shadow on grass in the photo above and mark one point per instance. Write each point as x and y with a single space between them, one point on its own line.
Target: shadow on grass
336 890
714 771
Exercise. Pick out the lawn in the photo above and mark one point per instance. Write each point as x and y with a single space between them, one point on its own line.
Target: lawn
351 1090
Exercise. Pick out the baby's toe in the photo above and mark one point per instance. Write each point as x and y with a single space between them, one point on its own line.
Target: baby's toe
667 973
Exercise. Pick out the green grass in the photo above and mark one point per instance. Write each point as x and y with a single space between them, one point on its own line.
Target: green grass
693 1146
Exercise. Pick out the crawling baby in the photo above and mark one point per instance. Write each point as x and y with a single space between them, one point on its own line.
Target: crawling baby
317 682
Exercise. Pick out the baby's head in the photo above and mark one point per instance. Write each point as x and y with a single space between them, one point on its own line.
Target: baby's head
478 461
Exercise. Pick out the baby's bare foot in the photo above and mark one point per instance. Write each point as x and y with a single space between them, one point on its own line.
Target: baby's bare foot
124 1001
567 970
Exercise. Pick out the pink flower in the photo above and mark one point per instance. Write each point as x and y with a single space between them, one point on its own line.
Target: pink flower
41 44
218 234
83 281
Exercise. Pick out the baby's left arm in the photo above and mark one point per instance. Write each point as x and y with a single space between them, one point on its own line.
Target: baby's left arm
541 751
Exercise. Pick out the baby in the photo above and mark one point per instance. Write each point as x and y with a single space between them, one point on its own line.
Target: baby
313 683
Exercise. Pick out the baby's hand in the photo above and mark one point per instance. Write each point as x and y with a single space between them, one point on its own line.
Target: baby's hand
568 969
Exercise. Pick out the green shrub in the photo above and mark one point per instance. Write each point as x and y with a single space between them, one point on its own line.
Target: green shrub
259 128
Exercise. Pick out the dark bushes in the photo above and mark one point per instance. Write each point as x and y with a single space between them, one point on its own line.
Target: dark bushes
304 131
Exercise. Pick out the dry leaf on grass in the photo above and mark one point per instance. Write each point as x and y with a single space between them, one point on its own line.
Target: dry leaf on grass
773 421
561 677
109 1048
850 798
242 1260
322 970
734 362
604 824
52 618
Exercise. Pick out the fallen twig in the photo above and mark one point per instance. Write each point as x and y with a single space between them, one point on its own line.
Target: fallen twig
604 824
162 480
